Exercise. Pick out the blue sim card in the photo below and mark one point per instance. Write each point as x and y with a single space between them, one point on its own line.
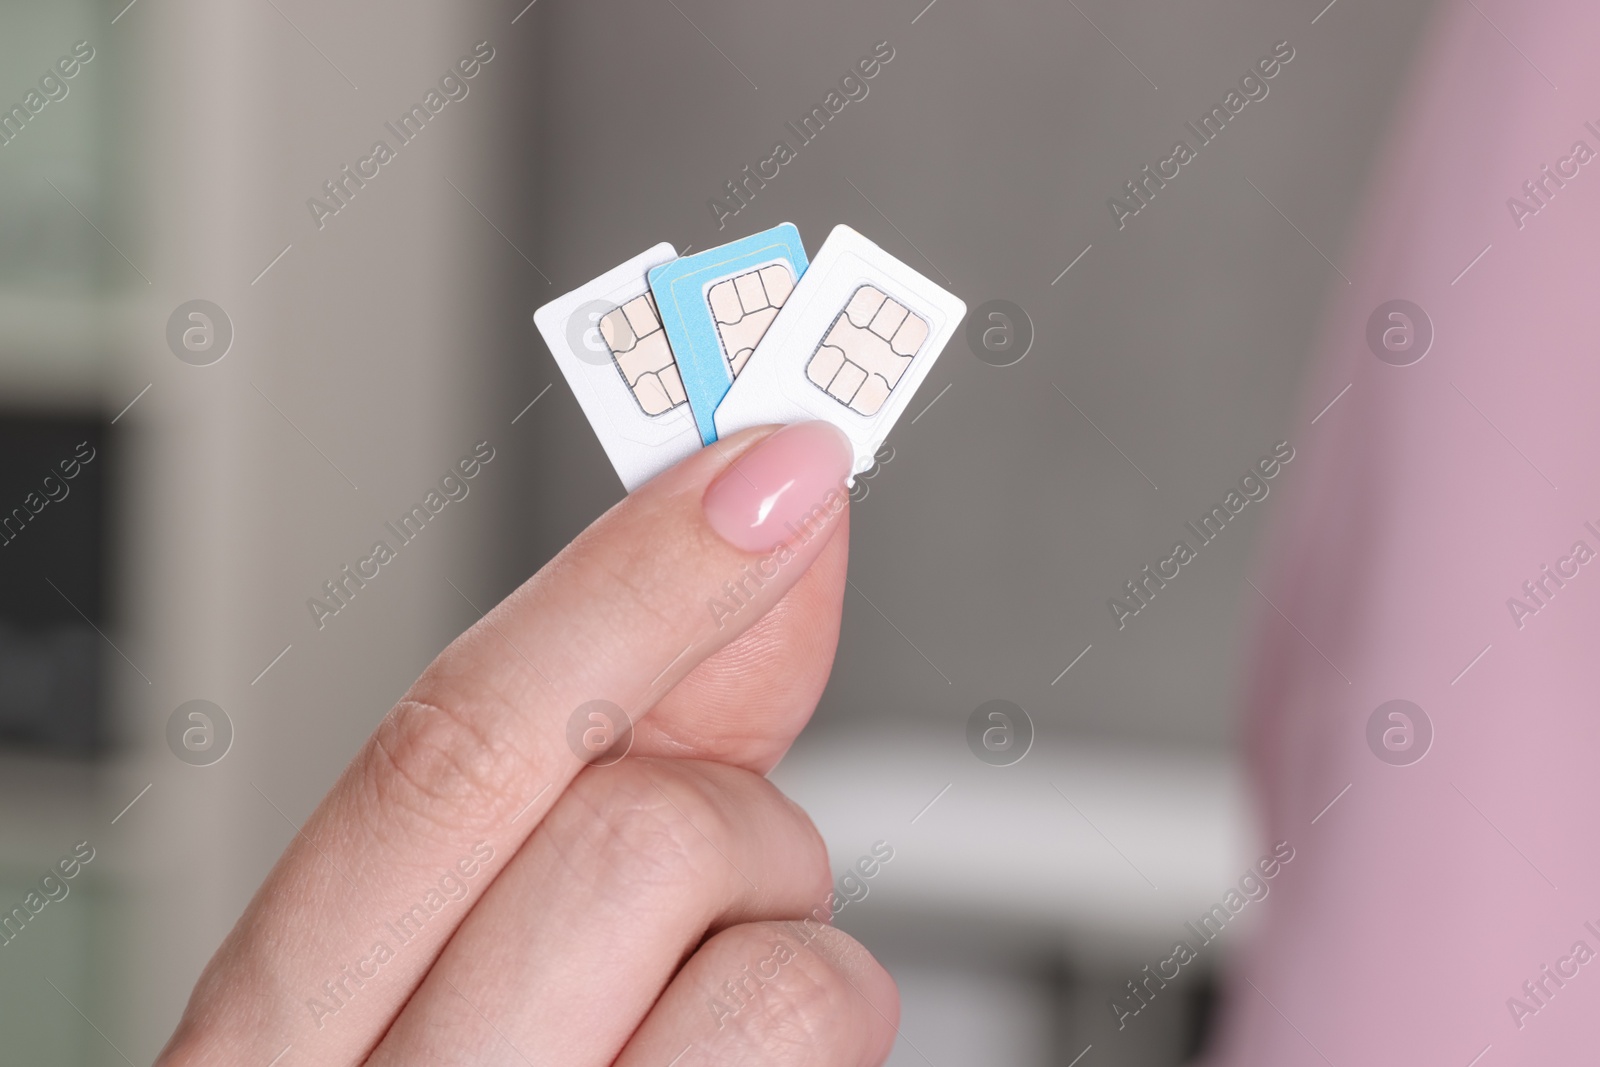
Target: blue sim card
716 305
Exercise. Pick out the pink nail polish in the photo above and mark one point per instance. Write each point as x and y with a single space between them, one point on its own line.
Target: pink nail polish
778 483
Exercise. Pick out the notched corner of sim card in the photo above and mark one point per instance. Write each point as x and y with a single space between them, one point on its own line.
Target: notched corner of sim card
852 346
655 275
550 317
791 236
607 339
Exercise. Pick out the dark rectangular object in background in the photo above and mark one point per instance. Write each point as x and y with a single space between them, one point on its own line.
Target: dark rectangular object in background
53 587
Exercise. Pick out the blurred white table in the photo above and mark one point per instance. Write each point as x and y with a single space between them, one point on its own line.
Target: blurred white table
1114 848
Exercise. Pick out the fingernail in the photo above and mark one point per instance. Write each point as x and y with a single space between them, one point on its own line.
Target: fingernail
778 483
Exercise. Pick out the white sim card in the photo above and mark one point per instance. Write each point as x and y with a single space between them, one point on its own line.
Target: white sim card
607 339
851 345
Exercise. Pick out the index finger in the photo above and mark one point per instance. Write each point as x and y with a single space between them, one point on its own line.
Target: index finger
463 768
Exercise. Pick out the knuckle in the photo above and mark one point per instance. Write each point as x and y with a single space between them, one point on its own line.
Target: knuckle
642 827
771 990
443 763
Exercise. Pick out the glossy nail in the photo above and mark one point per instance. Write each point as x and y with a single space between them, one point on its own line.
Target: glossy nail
779 483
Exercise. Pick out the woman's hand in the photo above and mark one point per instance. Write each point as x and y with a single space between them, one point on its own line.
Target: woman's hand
472 891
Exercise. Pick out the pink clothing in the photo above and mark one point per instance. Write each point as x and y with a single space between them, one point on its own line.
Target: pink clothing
1422 501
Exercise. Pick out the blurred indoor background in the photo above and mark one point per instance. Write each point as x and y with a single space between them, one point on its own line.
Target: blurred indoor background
372 348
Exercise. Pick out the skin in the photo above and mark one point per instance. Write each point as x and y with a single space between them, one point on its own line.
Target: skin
619 900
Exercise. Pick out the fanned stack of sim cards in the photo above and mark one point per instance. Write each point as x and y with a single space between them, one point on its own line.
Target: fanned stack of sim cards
667 353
